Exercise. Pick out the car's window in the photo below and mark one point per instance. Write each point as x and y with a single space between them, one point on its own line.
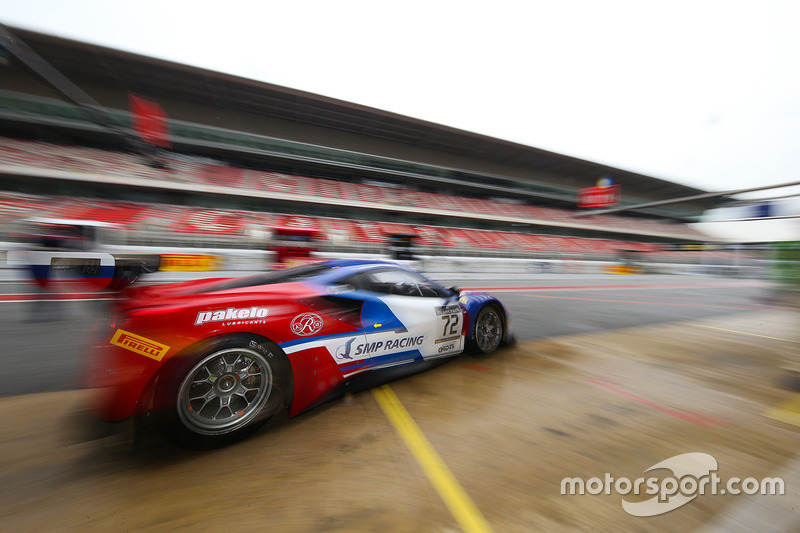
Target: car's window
397 282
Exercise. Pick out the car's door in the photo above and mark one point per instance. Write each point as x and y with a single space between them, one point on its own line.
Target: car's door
406 317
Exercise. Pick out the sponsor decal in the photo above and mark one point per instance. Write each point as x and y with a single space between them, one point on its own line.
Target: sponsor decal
448 310
350 353
448 339
234 314
447 347
306 324
391 344
345 351
189 262
138 344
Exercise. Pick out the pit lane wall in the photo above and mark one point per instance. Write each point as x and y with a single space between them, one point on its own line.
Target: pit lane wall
224 262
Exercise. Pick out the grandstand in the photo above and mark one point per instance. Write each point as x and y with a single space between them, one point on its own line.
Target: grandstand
246 156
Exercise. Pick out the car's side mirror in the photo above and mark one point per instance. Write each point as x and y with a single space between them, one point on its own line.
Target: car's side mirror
341 288
455 290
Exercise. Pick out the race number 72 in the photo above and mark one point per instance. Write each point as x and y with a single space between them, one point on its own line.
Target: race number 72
451 323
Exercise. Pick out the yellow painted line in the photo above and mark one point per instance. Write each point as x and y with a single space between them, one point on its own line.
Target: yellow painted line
454 496
788 412
741 332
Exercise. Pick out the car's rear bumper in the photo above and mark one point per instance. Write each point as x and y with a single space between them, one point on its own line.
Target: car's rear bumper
117 380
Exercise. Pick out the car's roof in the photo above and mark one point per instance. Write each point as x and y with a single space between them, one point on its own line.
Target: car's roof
338 268
320 272
358 264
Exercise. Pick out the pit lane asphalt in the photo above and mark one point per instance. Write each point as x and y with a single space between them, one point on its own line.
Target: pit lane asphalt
643 369
45 340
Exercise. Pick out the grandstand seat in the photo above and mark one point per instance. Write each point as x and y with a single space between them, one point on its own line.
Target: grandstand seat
15 152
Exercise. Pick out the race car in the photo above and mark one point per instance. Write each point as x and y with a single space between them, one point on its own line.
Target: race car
212 360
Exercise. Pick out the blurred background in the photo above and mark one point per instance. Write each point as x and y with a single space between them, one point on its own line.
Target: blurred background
117 166
147 155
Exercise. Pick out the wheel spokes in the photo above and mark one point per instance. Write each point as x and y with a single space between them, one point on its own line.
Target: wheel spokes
488 331
224 390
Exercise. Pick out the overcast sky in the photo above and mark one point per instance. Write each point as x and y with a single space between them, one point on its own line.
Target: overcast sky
705 93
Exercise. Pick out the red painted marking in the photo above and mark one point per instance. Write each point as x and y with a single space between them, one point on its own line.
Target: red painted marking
477 367
690 416
673 304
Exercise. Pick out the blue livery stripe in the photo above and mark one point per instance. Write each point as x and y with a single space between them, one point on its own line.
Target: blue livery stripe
355 366
306 340
397 357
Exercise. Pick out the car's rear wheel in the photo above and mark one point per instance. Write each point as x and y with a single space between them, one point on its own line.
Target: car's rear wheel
223 390
488 330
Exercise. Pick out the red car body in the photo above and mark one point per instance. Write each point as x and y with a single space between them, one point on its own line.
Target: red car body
319 318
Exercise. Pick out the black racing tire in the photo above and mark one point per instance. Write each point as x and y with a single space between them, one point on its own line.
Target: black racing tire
488 330
222 390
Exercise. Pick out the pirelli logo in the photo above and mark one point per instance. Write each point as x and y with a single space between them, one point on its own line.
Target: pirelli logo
189 262
138 344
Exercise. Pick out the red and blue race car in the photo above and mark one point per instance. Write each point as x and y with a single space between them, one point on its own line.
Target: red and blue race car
211 360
